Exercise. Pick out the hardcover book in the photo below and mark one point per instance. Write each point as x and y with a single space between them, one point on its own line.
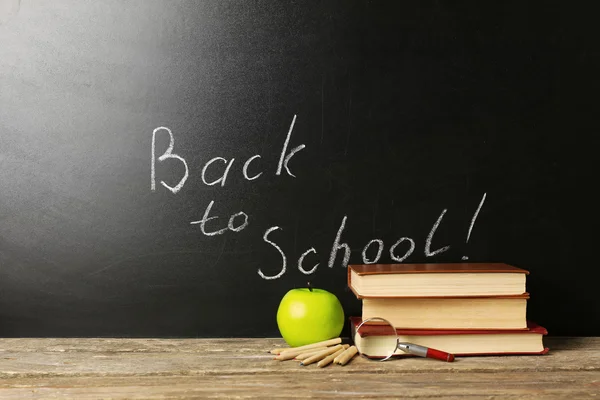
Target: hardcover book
436 280
502 312
374 340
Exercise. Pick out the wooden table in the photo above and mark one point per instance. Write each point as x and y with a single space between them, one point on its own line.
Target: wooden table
242 368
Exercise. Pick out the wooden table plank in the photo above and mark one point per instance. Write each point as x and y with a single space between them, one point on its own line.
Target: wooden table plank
575 385
242 368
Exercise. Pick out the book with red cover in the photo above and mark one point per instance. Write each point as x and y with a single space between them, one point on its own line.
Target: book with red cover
436 280
374 340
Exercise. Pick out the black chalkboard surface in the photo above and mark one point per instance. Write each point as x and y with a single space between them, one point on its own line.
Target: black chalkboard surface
164 165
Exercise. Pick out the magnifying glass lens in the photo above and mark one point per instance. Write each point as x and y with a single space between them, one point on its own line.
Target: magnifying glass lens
377 339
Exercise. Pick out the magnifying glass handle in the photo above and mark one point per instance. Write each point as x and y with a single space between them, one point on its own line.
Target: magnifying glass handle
423 351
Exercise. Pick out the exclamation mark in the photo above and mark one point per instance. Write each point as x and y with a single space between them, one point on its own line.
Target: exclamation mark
473 222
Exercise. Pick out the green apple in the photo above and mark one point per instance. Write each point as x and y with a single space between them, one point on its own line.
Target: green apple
309 315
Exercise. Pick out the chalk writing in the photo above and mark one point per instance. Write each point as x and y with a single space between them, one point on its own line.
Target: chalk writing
226 164
379 251
166 155
338 245
230 225
284 161
245 168
410 250
238 228
428 251
473 221
284 262
216 171
301 260
223 177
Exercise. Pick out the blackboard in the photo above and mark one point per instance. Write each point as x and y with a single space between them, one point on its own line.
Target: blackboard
445 132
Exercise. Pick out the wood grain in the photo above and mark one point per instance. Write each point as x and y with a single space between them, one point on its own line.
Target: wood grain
244 368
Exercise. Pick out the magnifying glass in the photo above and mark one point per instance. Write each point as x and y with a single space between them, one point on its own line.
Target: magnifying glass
379 340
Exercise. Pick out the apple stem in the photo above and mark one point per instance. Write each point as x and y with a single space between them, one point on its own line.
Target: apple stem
309 286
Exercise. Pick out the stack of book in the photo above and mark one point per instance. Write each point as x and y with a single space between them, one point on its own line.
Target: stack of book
460 308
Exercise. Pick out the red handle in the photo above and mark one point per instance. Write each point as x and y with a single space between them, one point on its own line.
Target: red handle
440 355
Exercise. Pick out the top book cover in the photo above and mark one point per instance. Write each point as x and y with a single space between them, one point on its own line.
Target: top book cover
436 280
